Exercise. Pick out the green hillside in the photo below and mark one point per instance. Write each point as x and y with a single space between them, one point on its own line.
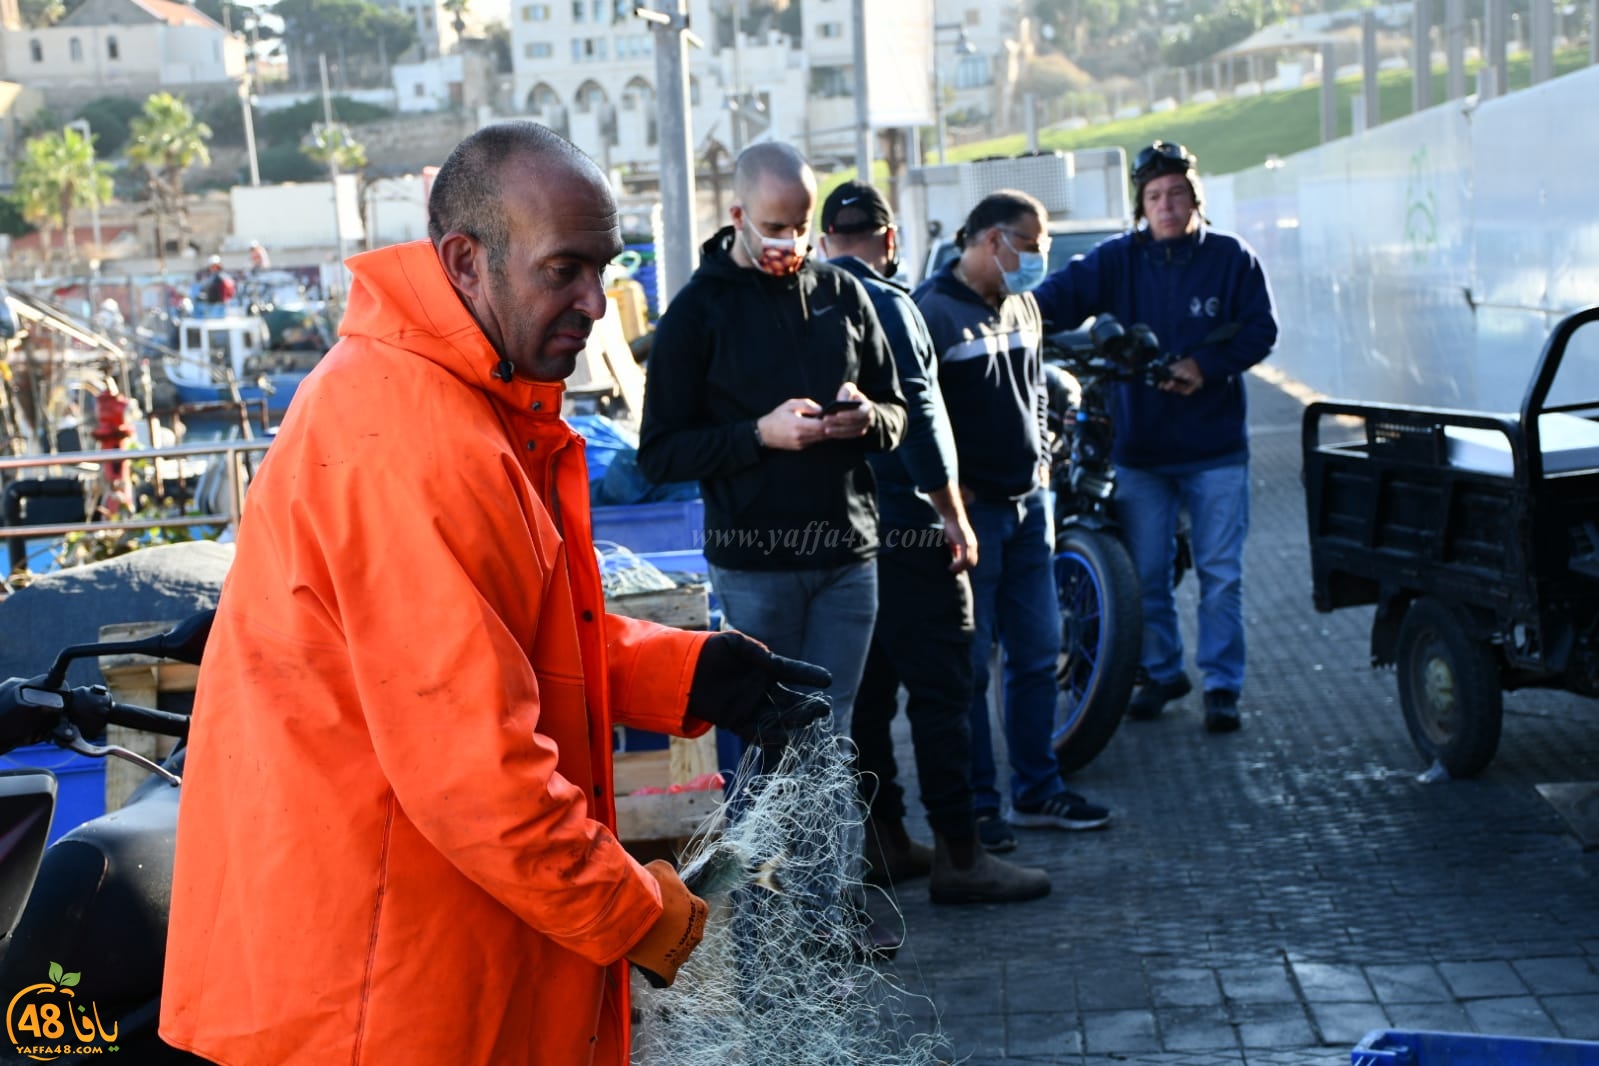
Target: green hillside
1235 134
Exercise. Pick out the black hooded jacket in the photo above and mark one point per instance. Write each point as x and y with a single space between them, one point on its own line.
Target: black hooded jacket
733 345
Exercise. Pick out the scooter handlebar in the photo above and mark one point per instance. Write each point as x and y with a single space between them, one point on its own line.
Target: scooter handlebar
148 719
31 713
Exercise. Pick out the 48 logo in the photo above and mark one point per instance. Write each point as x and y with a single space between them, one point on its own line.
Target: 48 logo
45 1021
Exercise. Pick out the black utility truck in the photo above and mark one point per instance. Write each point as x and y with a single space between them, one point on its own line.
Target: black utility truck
1476 537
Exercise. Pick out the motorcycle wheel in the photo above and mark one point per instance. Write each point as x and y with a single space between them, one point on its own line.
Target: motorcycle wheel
1101 637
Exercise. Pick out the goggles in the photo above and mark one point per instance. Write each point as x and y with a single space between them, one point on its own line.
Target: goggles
1162 157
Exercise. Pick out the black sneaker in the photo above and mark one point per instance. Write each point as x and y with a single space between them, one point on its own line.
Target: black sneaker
1065 811
1221 711
993 832
1152 696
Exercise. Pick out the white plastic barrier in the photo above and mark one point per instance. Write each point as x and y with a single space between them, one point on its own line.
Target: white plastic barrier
1425 261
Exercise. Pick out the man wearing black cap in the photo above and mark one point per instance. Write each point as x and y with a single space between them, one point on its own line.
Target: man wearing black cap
923 633
1182 445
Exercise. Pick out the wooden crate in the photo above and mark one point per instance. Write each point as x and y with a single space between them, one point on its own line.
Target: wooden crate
660 817
138 679
671 816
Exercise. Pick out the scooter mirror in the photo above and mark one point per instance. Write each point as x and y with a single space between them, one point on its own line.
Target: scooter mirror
27 803
185 641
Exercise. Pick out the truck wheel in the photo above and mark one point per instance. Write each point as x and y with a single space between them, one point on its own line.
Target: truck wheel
1101 636
1448 688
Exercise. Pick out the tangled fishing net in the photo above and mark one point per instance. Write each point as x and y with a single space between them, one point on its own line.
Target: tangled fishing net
777 980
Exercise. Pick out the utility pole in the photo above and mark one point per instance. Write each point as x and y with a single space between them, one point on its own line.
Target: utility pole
863 111
246 95
1421 56
333 161
674 262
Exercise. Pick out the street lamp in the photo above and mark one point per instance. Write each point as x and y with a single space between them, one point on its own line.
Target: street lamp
82 126
963 47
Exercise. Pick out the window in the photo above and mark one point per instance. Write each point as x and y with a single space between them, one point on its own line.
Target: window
419 90
829 29
974 72
36 51
535 12
111 50
832 81
538 50
75 50
577 10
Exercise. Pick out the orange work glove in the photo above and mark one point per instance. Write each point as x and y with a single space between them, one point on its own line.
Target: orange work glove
675 934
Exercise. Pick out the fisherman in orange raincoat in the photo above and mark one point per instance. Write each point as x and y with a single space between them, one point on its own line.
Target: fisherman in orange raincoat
395 840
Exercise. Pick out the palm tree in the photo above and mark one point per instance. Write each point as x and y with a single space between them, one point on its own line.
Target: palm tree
166 140
56 175
458 9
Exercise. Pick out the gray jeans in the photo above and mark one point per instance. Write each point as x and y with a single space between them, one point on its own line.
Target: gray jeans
820 616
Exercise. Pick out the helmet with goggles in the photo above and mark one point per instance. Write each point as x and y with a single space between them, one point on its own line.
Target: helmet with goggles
1159 160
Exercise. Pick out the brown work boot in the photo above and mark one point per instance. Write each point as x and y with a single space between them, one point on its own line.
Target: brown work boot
964 872
892 856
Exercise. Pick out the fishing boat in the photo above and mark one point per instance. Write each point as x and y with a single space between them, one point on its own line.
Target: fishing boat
211 357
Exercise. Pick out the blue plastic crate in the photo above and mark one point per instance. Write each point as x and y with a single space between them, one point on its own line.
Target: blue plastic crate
1392 1047
80 783
653 527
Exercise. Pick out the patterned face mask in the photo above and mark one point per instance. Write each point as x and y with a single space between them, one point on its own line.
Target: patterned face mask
779 256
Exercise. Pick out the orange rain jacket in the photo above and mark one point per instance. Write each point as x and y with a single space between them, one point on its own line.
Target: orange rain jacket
395 839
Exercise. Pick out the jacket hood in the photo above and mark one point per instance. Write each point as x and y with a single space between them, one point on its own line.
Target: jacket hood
401 297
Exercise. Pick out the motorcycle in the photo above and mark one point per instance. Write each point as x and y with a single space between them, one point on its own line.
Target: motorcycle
1096 583
96 902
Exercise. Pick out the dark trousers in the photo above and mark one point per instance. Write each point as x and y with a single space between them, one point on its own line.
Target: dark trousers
922 640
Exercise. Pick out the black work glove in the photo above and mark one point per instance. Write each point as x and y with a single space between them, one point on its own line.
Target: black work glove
742 687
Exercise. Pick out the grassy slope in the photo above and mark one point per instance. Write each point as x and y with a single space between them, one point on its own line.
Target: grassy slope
1235 134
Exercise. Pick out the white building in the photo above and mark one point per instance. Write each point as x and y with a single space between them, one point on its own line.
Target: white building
434 28
121 44
587 69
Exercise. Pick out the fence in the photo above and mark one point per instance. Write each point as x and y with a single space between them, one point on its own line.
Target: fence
219 491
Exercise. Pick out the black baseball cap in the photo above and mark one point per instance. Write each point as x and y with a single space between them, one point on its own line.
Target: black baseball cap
855 207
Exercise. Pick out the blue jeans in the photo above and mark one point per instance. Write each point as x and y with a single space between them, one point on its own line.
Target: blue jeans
820 616
1217 501
1013 600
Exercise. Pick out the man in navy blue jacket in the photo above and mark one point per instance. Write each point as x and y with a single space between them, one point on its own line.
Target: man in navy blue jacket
988 334
1182 445
923 633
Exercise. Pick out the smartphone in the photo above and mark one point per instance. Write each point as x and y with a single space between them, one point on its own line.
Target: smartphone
833 407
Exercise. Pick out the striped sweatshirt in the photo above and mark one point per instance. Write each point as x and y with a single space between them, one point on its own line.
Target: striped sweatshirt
991 373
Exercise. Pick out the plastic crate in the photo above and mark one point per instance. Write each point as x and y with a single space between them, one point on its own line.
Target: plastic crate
1392 1047
653 527
80 783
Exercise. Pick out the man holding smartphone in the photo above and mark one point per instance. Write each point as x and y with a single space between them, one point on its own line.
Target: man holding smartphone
745 361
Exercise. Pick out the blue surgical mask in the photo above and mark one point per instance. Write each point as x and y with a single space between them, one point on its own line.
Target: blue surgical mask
1029 272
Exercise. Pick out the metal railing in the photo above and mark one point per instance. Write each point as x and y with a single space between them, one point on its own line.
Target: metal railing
233 456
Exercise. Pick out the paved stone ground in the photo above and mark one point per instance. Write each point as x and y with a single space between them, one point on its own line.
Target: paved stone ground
1269 897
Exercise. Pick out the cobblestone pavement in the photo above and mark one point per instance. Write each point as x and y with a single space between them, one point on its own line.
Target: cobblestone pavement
1269 897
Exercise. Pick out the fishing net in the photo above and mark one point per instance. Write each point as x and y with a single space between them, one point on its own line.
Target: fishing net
778 978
